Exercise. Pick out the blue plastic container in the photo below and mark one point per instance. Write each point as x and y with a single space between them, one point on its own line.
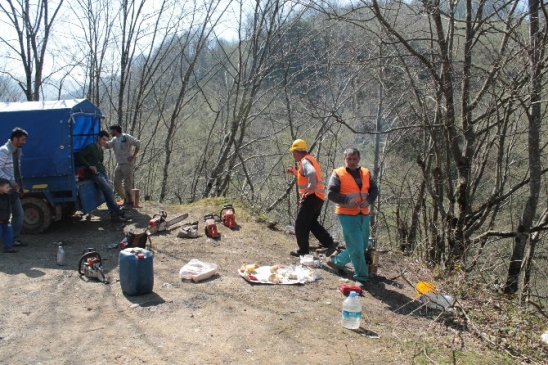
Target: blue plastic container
136 271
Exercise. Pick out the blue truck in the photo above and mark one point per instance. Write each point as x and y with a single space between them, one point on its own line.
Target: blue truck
58 130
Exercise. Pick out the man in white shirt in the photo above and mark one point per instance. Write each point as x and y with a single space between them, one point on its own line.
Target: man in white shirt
10 169
125 149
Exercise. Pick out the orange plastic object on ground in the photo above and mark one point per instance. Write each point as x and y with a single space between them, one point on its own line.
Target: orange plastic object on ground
424 287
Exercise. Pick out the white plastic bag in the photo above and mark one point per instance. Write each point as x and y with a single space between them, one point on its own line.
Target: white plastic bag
437 301
197 270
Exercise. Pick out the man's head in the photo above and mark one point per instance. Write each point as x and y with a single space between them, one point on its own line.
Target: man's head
5 186
115 130
299 148
351 158
102 139
18 137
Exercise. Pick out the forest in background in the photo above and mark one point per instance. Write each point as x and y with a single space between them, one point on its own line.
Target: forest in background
443 99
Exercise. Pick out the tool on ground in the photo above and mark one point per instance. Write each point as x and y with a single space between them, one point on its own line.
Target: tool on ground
188 230
91 265
210 226
158 222
133 239
228 217
372 257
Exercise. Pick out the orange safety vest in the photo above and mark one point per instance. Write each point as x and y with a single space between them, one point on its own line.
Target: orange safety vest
302 180
350 188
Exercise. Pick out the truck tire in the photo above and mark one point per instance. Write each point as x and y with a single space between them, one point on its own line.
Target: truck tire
38 215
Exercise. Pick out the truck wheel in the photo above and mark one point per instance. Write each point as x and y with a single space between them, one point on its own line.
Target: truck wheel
38 215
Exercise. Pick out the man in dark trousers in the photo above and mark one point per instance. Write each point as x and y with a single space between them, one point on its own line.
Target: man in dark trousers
354 191
10 169
312 195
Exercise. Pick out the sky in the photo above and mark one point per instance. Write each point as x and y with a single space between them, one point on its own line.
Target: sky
65 48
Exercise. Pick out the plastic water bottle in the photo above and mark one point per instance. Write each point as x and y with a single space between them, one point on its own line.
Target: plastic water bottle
351 311
60 256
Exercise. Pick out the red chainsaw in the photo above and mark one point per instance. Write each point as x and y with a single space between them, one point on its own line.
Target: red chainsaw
158 222
228 217
211 227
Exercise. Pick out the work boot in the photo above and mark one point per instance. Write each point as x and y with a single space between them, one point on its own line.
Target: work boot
331 265
127 206
298 253
19 243
118 218
331 249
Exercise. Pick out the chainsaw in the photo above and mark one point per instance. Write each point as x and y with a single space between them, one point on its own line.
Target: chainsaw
211 227
158 222
228 217
91 265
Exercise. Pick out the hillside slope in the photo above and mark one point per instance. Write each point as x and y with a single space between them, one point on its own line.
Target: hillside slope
50 315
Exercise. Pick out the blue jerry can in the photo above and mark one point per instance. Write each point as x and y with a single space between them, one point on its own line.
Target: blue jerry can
136 271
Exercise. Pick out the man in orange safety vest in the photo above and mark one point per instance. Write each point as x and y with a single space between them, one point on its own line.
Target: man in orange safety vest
312 195
354 191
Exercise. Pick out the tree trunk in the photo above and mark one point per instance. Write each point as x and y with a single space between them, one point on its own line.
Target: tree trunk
535 117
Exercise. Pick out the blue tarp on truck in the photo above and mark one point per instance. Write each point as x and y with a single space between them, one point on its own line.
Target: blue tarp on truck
57 131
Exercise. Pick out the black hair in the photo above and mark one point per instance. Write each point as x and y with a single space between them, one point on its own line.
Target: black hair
116 127
104 134
351 151
3 181
17 133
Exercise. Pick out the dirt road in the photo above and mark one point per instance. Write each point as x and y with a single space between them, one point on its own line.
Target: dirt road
51 315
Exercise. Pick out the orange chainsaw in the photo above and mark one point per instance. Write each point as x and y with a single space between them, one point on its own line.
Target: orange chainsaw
158 222
91 265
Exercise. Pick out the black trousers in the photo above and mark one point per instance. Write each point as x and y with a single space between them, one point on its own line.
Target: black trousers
307 221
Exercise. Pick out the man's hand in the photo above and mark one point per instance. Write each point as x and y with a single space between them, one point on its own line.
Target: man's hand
94 170
364 204
355 202
16 187
292 170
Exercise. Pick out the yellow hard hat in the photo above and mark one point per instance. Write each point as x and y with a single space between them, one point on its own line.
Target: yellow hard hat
298 145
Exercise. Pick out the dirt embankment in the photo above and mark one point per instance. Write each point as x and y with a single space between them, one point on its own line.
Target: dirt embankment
51 315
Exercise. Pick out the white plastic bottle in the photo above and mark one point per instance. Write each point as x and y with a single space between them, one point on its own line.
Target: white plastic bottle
351 311
60 256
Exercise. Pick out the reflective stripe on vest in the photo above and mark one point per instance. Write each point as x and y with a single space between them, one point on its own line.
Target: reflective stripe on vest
350 188
302 180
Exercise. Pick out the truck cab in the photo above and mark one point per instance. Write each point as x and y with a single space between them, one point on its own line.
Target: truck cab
58 130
